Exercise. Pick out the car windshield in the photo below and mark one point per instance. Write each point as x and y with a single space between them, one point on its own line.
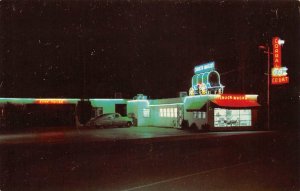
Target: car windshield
102 116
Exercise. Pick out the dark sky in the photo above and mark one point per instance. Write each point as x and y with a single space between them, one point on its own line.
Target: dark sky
148 47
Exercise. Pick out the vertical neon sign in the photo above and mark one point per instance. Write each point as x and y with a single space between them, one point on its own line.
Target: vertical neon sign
279 74
276 52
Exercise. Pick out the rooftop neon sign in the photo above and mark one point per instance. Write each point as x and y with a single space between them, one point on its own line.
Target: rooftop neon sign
50 101
232 97
236 97
210 66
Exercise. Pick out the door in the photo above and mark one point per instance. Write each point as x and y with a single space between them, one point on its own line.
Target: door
179 116
121 109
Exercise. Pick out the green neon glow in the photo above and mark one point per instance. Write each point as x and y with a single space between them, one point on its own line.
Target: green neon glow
94 102
169 104
199 97
34 100
17 100
98 99
107 103
207 67
139 101
196 102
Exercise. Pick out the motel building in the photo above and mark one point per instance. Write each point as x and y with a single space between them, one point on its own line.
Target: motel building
206 107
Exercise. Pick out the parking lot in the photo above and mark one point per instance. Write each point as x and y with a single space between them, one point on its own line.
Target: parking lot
148 158
133 134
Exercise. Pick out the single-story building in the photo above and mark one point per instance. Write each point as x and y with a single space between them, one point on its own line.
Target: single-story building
206 107
206 112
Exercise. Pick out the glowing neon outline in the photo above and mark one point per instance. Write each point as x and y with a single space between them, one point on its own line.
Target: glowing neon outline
167 104
206 74
203 65
284 69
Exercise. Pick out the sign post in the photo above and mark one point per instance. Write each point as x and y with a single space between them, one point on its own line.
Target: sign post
279 73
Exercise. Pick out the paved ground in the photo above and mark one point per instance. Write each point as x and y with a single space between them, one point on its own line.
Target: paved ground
256 175
149 159
137 134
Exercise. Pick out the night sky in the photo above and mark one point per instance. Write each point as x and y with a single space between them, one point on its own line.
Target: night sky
52 48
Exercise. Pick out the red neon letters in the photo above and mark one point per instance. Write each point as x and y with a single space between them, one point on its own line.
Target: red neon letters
276 52
50 101
232 97
277 80
279 74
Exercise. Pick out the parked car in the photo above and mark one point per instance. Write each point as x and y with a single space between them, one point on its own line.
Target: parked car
110 120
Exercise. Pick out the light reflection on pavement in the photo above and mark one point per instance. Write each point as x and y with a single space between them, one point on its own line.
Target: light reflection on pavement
115 134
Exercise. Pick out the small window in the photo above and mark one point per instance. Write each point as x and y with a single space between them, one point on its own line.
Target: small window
146 113
168 112
199 115
195 113
203 115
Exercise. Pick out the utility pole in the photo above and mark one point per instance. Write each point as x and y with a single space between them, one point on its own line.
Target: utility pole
267 51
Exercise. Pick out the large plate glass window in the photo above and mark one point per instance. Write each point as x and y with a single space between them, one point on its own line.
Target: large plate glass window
232 117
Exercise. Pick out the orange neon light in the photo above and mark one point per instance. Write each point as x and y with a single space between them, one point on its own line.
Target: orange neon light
50 101
280 80
276 52
232 97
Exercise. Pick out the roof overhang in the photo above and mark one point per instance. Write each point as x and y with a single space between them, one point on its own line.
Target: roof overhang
236 101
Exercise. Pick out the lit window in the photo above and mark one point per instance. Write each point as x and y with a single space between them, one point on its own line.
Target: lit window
199 115
161 112
231 117
168 112
195 114
146 112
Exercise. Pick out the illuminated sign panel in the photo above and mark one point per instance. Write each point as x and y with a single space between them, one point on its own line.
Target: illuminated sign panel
235 101
277 80
232 97
206 80
50 101
210 66
279 74
276 52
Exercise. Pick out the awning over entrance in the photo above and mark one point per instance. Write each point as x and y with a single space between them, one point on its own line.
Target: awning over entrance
235 103
197 106
196 103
